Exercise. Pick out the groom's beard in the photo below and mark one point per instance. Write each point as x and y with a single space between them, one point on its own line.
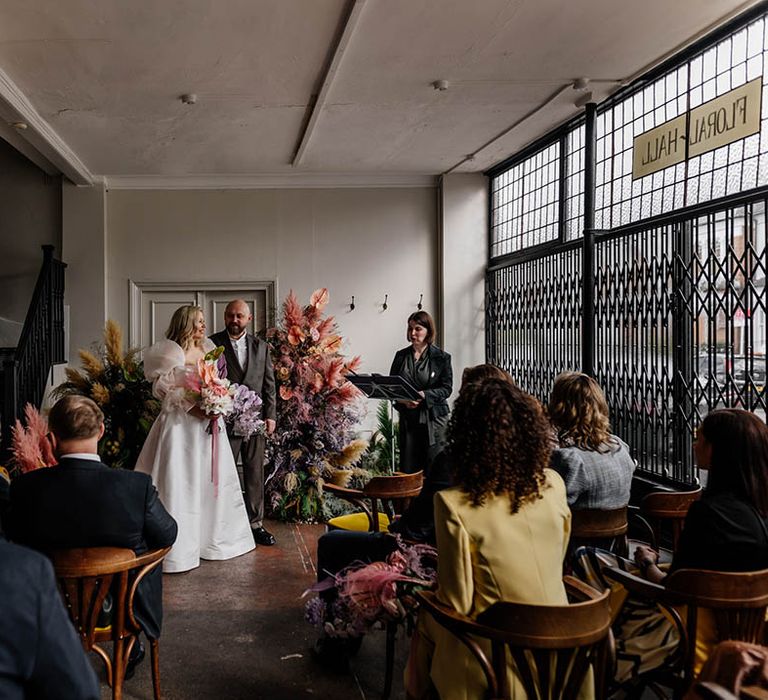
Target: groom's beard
234 330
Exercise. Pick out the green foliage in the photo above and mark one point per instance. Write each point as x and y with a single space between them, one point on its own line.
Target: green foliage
380 448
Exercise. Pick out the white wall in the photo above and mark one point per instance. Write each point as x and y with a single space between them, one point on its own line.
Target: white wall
463 259
30 217
84 249
366 242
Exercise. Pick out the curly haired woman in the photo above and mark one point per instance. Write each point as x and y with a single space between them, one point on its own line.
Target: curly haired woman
502 531
595 465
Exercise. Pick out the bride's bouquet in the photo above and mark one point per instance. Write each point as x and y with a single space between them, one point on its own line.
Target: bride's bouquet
217 397
209 387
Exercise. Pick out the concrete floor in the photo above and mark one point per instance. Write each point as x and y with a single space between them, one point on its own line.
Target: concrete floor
235 629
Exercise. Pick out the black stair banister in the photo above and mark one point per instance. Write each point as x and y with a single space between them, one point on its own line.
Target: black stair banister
25 368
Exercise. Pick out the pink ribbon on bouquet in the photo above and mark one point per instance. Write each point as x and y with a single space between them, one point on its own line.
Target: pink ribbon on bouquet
214 456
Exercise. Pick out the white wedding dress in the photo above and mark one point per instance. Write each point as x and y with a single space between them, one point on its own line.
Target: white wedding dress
177 455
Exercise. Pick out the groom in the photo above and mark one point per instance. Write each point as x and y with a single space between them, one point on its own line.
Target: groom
249 363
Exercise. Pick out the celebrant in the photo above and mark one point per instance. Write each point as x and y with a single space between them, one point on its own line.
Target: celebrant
428 368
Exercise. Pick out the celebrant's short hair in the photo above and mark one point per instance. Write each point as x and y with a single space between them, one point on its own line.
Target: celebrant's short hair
423 319
182 325
75 418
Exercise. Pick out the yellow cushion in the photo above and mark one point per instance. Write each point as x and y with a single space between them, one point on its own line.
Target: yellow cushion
358 522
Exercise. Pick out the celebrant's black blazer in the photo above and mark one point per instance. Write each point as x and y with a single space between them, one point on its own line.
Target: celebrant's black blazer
440 384
83 503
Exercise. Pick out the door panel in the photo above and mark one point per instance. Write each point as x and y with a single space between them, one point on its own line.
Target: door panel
153 304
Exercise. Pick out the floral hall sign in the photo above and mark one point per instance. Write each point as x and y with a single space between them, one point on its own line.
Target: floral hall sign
728 118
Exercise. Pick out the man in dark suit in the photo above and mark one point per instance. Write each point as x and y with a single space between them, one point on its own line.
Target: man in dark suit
249 363
40 653
83 503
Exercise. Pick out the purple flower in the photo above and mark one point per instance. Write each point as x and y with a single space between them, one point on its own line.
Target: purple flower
245 418
221 365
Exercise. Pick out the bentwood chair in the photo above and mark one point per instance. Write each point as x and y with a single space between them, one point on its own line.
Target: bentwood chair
553 647
85 577
397 488
599 528
665 508
737 603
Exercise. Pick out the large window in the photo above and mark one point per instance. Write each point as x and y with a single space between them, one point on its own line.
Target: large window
674 270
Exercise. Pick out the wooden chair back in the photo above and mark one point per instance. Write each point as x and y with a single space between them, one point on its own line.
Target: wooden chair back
670 507
600 528
85 577
396 488
553 647
738 602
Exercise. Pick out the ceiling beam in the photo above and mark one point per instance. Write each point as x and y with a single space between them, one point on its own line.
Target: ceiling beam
15 107
345 36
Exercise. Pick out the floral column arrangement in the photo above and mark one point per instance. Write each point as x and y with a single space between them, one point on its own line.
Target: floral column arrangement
317 408
115 381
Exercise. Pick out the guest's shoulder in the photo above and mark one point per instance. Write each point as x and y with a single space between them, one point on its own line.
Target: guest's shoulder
31 479
564 459
553 481
452 497
18 559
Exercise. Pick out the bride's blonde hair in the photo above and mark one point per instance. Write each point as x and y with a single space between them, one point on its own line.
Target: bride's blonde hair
182 325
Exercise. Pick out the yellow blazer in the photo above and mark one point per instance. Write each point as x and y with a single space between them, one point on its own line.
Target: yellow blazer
487 554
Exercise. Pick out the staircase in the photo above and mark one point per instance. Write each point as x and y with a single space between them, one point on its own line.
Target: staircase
24 370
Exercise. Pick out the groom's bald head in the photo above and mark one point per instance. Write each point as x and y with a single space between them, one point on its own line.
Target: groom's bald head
237 316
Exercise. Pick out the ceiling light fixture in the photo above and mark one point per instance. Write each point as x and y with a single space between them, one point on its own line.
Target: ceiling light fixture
580 84
189 98
19 125
441 85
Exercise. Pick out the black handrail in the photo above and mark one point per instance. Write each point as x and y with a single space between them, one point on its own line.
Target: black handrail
25 368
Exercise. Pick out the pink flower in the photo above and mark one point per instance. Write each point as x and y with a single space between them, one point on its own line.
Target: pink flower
295 335
325 327
314 334
209 373
317 383
331 344
292 311
319 298
286 393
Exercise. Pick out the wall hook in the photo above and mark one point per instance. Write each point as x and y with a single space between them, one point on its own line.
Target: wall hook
352 305
419 306
384 305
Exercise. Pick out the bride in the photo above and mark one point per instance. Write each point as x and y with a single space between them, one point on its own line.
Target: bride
177 454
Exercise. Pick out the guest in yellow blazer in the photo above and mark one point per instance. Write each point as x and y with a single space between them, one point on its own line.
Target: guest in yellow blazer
502 532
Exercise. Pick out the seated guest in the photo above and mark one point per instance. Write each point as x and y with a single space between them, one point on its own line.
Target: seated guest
727 530
595 465
83 503
40 654
502 531
340 548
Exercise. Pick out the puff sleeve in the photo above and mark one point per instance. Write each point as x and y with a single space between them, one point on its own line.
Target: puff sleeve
164 367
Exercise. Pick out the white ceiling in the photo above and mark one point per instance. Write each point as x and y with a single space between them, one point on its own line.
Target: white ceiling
98 81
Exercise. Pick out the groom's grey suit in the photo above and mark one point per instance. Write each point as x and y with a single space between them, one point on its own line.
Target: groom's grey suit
258 376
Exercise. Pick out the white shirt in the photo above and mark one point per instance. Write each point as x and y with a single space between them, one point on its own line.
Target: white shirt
240 346
82 455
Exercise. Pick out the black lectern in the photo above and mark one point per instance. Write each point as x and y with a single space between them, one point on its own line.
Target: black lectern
388 388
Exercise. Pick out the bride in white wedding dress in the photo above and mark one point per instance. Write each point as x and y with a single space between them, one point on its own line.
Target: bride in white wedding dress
177 454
